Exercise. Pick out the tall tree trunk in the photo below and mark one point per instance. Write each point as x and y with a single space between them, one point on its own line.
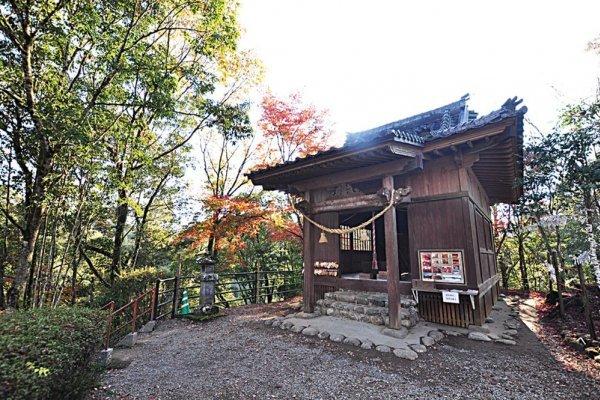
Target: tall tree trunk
122 211
142 222
555 264
522 265
35 210
586 305
4 260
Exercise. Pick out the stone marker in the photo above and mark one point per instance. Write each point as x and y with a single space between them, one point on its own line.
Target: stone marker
407 354
310 331
383 349
479 336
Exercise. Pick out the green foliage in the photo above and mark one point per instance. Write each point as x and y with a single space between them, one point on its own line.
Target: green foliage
47 353
129 284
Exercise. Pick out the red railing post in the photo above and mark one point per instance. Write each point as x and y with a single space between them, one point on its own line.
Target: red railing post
155 300
134 314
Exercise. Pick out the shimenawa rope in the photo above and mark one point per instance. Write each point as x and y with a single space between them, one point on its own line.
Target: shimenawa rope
339 231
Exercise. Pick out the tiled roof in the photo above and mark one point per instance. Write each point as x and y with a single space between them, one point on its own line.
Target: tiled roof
451 119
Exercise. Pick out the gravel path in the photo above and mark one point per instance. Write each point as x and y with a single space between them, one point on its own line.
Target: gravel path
236 357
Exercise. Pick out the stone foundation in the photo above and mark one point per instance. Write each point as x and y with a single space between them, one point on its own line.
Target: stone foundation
366 307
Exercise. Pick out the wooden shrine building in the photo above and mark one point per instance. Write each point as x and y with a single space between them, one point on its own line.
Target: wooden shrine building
435 174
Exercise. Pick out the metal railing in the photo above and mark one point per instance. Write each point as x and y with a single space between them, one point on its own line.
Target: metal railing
128 318
232 289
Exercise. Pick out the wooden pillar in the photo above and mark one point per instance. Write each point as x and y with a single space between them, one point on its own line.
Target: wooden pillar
391 256
308 290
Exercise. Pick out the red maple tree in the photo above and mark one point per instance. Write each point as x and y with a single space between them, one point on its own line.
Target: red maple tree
291 128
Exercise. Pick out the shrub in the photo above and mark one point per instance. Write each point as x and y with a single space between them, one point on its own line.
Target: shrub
129 284
48 353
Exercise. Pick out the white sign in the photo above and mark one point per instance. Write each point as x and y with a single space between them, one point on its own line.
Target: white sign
450 297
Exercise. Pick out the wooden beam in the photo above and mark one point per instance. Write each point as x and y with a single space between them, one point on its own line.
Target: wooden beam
391 256
363 201
397 167
308 290
466 137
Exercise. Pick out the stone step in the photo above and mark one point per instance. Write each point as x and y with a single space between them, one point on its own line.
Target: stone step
358 312
365 307
367 298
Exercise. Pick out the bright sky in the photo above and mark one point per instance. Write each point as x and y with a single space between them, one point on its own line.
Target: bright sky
372 62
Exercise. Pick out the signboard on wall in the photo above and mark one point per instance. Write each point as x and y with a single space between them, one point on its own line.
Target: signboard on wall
444 266
450 297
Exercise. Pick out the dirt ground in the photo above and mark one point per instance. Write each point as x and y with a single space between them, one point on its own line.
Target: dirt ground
237 357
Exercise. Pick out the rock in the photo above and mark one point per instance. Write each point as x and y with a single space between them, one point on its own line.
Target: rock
511 332
513 325
592 352
330 311
493 336
407 354
489 320
419 348
366 345
352 341
597 359
269 321
452 333
337 338
383 349
288 325
310 331
104 357
506 341
305 315
323 335
128 341
427 341
476 328
295 328
276 323
396 333
148 327
406 323
436 335
497 307
479 336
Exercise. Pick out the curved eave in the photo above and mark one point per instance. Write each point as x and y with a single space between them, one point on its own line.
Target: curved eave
336 160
